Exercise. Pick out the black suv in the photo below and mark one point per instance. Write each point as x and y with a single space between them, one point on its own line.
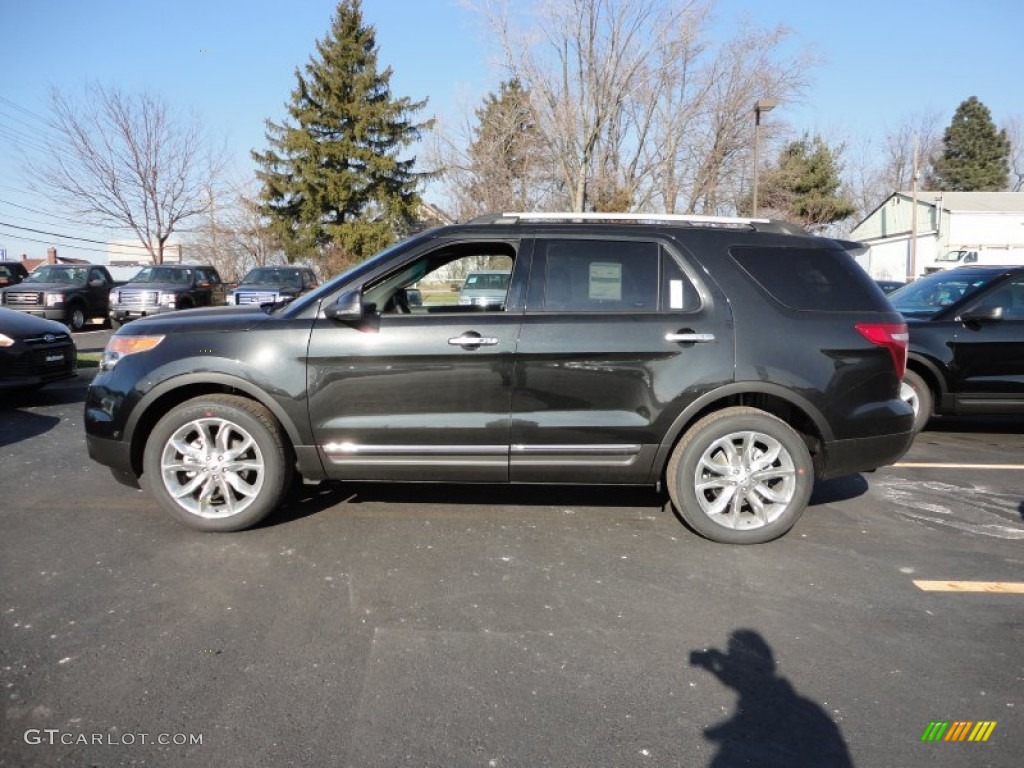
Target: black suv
271 285
735 360
966 342
165 288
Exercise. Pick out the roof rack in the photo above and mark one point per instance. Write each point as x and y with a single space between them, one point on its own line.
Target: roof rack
766 225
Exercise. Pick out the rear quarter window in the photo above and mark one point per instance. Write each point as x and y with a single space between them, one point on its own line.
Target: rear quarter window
815 279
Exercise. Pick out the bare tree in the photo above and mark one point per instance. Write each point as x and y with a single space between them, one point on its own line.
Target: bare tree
233 236
126 161
638 109
1014 128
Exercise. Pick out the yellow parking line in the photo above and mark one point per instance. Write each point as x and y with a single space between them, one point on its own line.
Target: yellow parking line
1002 587
936 465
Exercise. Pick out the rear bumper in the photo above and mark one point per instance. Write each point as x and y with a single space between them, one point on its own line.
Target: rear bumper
845 457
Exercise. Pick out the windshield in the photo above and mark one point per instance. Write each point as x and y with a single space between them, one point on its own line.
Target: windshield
935 292
163 275
51 274
268 276
951 256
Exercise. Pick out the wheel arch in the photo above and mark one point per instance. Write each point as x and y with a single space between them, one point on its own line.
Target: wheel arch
796 411
169 394
928 370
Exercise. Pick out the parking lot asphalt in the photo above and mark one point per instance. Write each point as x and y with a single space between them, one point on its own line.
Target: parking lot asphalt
388 625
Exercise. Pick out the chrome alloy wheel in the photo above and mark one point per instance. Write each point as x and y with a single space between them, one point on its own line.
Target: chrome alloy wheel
745 480
909 396
212 468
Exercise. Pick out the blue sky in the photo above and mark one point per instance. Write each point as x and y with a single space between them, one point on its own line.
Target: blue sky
883 60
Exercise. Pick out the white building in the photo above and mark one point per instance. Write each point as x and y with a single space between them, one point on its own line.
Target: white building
132 252
946 221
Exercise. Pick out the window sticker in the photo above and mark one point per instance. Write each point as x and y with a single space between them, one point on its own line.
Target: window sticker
605 281
675 294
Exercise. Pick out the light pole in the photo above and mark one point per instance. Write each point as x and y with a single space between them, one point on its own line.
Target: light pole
762 105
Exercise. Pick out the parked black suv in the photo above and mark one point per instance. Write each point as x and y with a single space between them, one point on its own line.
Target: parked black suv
735 360
166 288
270 285
966 342
71 293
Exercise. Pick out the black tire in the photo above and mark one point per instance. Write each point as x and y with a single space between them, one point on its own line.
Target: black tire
790 475
263 469
75 319
919 395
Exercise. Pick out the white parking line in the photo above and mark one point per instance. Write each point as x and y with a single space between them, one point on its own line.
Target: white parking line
1002 587
939 465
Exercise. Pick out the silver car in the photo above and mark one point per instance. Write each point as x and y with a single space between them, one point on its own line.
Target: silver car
485 288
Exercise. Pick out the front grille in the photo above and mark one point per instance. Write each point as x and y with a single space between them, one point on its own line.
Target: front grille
139 298
35 363
254 298
55 338
23 299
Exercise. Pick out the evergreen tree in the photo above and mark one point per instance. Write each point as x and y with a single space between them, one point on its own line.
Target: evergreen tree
976 156
804 186
505 152
334 185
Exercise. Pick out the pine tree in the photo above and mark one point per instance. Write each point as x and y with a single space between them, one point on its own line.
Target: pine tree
505 152
804 186
976 156
334 185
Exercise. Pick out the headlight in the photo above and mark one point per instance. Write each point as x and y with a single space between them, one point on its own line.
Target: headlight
122 346
231 299
115 297
54 299
168 299
5 340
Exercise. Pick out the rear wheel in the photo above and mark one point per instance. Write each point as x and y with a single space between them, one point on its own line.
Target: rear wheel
918 395
217 463
740 476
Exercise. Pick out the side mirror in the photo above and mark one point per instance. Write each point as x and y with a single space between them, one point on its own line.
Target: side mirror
982 315
348 308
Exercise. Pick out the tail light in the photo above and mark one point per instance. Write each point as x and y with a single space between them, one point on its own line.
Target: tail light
892 336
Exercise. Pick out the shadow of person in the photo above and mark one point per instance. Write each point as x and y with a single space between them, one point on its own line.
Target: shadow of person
773 726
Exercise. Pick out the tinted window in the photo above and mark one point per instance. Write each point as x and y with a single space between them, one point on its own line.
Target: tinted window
600 276
810 278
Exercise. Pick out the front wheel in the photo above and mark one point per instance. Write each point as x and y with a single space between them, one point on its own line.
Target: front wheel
76 318
916 393
217 463
740 476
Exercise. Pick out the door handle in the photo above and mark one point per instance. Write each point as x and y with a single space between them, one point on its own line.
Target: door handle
689 337
473 340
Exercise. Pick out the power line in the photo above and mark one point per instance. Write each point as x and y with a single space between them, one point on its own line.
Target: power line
41 213
28 112
50 242
72 237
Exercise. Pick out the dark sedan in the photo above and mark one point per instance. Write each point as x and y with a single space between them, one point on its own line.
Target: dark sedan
966 342
34 351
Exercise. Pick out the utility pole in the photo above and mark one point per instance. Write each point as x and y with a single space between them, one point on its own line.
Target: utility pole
913 216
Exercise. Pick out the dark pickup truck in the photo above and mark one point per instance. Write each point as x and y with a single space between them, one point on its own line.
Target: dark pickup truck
166 288
71 293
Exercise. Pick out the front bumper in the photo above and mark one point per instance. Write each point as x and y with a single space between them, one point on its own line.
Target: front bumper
50 313
124 313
